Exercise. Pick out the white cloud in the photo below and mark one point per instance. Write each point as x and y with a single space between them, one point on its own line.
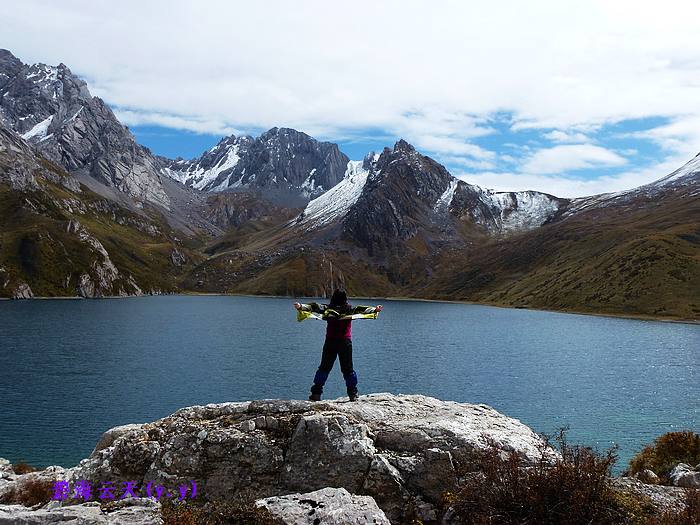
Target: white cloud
468 162
570 187
432 72
563 136
570 157
681 135
198 125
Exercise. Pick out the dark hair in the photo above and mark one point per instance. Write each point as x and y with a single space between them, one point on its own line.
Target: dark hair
339 298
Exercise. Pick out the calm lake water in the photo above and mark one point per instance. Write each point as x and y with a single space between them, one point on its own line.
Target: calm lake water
69 370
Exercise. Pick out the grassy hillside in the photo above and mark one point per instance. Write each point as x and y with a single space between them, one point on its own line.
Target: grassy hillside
40 246
638 258
627 260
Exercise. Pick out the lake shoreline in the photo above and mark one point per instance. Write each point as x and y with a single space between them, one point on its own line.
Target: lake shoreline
639 317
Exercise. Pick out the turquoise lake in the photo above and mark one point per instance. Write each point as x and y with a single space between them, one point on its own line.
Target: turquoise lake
69 370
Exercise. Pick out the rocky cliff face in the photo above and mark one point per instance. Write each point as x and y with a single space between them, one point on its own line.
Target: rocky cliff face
53 110
283 164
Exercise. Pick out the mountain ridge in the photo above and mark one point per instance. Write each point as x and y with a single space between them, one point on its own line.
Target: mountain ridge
285 164
296 217
54 110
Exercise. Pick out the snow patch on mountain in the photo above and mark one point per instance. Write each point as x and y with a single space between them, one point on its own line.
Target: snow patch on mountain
38 132
308 187
40 73
336 202
681 175
443 203
201 177
522 210
685 176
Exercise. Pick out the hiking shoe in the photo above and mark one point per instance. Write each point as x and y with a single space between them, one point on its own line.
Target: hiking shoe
315 397
353 396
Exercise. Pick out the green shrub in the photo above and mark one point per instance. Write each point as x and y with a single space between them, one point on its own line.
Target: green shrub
666 452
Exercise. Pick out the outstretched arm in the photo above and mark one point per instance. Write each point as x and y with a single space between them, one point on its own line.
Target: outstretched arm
367 309
364 312
310 307
310 310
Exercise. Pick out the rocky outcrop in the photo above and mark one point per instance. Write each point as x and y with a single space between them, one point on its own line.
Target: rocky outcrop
648 476
328 506
402 450
662 497
103 278
385 459
22 291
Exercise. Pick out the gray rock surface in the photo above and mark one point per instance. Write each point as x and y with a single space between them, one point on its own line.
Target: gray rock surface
12 484
663 497
684 475
329 506
22 291
54 110
648 476
285 165
134 511
395 448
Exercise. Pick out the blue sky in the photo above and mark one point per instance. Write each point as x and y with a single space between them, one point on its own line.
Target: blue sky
509 146
572 97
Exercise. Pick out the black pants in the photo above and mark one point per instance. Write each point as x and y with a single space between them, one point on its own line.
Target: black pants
342 349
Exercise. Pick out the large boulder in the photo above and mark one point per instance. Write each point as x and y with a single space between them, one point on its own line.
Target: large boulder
648 476
403 450
329 506
684 475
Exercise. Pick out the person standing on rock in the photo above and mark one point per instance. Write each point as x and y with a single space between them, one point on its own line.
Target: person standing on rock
339 315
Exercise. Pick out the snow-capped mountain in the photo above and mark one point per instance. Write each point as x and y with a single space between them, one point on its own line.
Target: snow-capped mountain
403 184
203 173
285 165
53 110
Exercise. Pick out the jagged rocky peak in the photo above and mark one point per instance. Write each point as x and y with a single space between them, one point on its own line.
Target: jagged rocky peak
334 204
418 174
395 194
283 164
53 109
213 169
